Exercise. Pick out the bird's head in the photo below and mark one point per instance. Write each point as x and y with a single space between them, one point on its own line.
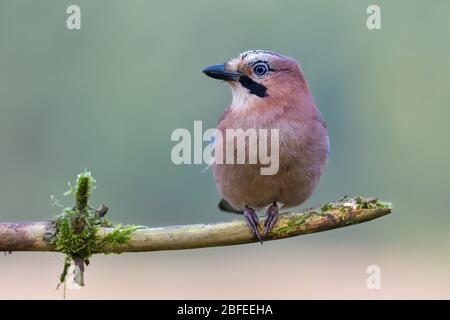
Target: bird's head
258 76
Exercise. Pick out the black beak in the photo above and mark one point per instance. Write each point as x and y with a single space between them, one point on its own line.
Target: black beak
218 72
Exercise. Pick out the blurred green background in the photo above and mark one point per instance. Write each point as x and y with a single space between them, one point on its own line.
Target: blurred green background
108 96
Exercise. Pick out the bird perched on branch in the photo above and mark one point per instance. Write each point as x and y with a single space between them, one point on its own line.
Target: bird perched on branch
269 91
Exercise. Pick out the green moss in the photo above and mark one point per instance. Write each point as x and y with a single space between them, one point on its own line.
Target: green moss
328 206
292 225
63 275
344 204
76 237
120 235
85 184
77 226
371 203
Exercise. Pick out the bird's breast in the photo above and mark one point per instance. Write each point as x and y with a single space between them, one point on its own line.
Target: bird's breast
302 157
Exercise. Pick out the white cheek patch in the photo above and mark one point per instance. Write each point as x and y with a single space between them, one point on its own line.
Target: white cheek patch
246 92
241 97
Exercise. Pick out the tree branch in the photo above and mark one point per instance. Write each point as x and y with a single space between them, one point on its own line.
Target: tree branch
36 236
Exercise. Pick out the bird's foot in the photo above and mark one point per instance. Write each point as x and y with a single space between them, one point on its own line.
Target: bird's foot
271 218
252 220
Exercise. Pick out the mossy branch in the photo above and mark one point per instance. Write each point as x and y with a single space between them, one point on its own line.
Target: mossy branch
81 231
31 236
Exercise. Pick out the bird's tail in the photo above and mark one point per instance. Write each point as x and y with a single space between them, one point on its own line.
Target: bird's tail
224 205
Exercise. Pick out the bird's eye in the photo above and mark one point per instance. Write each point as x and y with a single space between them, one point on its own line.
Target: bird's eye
260 69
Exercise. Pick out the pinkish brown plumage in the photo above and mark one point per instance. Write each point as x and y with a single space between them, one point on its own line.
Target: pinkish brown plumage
270 92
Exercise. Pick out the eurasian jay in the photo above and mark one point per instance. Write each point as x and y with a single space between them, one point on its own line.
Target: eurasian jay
269 91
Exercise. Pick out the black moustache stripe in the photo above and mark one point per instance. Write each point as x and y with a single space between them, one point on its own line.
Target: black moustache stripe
253 87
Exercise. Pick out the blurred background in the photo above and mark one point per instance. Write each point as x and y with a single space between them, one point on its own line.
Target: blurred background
107 97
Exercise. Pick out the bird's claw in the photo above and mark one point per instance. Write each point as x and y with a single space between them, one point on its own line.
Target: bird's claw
252 220
271 218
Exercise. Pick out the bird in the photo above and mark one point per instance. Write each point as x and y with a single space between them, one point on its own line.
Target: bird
269 91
